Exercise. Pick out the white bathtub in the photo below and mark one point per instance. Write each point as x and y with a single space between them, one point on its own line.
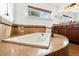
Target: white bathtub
34 39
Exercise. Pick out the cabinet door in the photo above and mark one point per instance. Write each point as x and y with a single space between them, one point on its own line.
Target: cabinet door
77 34
55 30
69 31
71 34
60 30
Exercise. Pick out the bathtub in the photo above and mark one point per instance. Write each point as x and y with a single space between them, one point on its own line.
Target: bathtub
35 39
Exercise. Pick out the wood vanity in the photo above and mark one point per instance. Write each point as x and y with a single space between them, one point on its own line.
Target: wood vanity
70 30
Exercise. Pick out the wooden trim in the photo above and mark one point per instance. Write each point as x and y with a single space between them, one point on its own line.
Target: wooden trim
29 26
39 9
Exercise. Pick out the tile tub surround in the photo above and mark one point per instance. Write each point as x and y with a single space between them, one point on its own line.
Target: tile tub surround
5 28
34 39
29 28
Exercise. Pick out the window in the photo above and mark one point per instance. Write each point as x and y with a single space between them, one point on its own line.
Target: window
38 12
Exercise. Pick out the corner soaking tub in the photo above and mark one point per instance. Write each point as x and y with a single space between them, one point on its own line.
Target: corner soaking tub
34 39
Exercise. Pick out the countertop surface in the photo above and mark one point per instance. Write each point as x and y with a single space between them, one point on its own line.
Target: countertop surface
57 42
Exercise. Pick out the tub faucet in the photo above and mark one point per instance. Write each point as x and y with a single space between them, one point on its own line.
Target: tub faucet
49 30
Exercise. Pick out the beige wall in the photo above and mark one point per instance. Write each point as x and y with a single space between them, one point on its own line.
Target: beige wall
21 9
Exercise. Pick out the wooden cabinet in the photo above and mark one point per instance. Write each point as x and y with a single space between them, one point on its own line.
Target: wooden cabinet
60 30
71 31
77 34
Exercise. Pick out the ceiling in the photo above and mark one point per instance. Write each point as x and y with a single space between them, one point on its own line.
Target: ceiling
58 5
61 6
76 10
